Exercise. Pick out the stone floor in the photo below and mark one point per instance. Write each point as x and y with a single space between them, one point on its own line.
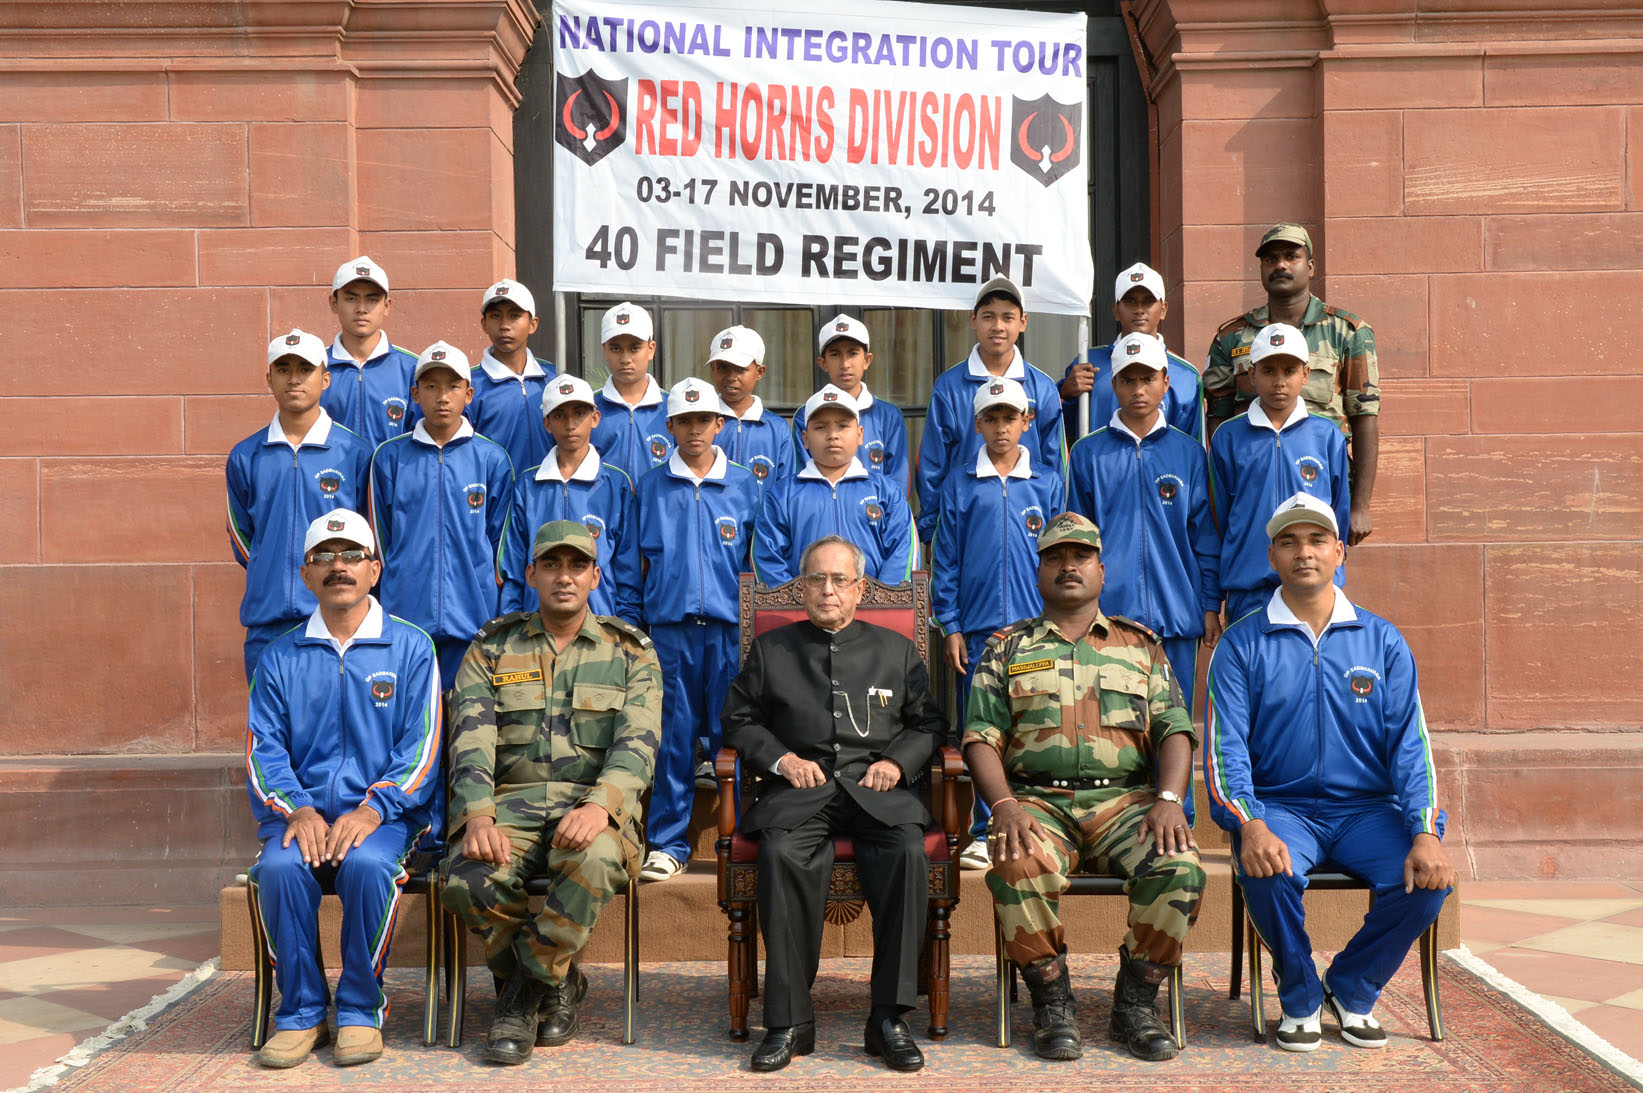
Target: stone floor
66 974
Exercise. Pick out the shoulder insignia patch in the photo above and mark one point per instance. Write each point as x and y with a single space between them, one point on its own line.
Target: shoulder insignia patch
1031 666
1346 317
1133 625
1235 323
622 625
502 622
1004 632
531 675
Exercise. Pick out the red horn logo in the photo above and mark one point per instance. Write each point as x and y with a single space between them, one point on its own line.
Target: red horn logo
1046 144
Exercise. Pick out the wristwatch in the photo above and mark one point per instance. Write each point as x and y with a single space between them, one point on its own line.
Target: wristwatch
1169 795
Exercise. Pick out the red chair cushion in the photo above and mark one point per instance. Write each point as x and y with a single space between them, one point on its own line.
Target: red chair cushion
745 851
900 620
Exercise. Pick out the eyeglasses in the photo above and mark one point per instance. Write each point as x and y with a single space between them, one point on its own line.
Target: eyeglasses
837 580
326 557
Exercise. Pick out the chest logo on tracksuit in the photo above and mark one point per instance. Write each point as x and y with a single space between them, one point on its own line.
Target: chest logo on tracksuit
476 496
871 508
761 466
395 409
1309 466
1032 517
595 526
382 686
875 453
727 529
1169 486
658 446
1362 681
330 480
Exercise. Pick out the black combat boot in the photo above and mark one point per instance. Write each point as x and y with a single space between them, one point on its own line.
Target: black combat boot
1135 1022
1055 1020
558 1009
513 1029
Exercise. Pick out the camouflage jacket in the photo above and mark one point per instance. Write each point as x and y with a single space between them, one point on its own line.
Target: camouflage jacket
1095 707
539 733
1345 379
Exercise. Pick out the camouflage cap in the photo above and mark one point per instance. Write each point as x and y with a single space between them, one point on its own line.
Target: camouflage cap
1284 233
557 533
1069 527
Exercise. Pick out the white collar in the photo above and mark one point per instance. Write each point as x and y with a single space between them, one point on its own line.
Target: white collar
420 433
653 393
1016 371
854 470
755 410
1023 464
1279 614
340 355
370 629
586 471
714 473
318 433
1258 415
1118 424
499 371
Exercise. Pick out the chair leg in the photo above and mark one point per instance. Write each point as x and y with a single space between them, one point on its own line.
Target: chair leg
630 960
457 953
1006 985
430 986
1177 1009
739 972
753 951
1257 1003
940 969
1236 973
262 999
1429 980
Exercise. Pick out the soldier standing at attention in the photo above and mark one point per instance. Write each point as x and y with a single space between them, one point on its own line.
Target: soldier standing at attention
558 716
1343 379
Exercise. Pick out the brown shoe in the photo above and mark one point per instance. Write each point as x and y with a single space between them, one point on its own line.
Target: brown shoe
357 1044
289 1047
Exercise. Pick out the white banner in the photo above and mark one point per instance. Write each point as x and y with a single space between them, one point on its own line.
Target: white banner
856 151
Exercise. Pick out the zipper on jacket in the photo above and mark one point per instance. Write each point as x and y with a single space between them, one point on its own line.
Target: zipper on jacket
291 578
701 560
1141 531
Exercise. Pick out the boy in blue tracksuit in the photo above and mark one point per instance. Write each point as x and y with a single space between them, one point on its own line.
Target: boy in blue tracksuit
632 433
757 439
1139 307
1263 456
950 440
834 494
343 773
439 498
572 483
1145 484
984 560
1316 751
696 514
370 388
509 380
280 478
844 357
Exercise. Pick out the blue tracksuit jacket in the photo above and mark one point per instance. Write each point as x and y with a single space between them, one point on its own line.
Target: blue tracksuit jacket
1150 498
335 731
508 408
1183 402
1311 726
438 515
761 441
950 441
694 537
984 561
1254 468
864 507
634 438
883 439
598 496
374 400
274 493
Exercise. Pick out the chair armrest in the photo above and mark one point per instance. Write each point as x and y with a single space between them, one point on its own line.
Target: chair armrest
724 772
944 775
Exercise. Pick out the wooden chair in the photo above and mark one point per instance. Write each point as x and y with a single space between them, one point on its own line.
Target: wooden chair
1243 933
421 880
906 610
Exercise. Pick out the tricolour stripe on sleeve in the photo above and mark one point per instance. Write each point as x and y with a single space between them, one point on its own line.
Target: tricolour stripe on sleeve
1219 787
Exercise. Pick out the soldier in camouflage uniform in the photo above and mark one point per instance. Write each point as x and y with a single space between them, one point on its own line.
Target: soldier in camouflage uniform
1344 381
1070 714
558 716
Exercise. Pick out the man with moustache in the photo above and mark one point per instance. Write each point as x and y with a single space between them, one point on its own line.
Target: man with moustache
342 768
1343 378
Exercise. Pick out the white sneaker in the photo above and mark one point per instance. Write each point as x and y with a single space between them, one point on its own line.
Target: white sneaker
660 866
976 856
1301 1033
1357 1029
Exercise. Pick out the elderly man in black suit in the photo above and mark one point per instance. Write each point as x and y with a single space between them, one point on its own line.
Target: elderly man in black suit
840 713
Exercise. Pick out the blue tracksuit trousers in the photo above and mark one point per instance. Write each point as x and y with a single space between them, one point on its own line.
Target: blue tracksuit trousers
698 660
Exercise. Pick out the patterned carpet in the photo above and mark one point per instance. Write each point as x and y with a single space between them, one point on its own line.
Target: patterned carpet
199 1043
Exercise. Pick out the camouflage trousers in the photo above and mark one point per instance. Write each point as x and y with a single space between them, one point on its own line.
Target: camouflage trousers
1100 837
491 898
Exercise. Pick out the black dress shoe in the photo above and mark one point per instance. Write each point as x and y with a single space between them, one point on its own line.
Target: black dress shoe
893 1040
779 1045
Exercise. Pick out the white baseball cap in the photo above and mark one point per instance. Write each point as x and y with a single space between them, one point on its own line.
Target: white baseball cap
830 397
737 345
626 318
299 344
1138 274
1000 391
1302 508
1278 340
694 396
1142 349
506 289
345 524
1001 284
565 388
360 269
442 355
842 326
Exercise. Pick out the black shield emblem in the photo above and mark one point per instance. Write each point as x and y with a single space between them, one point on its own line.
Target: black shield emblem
1309 472
1362 685
591 115
330 483
1166 490
382 690
1046 137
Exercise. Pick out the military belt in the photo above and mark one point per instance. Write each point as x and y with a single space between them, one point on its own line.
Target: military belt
1045 781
